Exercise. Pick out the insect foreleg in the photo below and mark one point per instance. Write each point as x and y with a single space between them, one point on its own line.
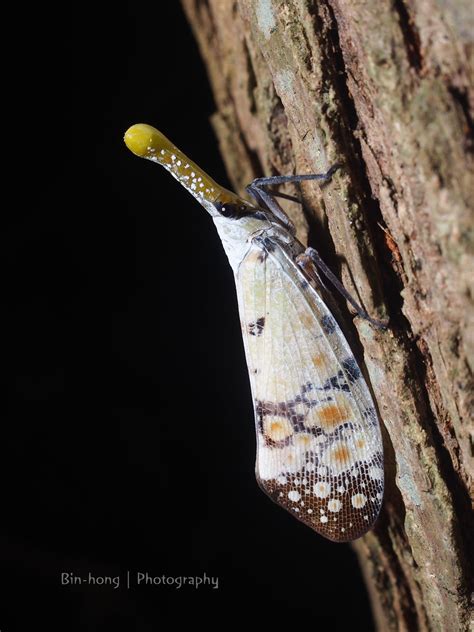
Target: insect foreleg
259 183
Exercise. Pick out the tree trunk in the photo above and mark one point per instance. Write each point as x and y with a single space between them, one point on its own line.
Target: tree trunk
383 88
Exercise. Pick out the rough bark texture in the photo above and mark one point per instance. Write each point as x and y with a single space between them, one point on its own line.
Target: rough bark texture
383 87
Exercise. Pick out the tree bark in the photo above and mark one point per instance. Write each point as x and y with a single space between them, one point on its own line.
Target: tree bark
383 88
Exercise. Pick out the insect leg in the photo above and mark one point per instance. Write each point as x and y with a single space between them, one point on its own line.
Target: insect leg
259 183
319 263
284 196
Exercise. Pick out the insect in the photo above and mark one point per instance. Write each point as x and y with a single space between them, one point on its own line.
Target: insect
319 445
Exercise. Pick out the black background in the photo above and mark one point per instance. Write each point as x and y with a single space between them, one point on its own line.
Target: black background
129 442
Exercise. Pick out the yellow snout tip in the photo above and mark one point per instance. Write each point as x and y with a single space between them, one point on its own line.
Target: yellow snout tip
141 139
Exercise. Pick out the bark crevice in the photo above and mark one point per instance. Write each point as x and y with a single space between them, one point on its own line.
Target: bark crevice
410 35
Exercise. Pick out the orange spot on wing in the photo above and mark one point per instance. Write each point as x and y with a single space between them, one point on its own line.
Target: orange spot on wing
319 360
277 429
341 454
303 440
332 415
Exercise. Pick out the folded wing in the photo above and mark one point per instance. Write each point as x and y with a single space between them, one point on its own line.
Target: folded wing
319 447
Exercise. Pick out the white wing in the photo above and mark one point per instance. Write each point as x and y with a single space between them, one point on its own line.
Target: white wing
319 446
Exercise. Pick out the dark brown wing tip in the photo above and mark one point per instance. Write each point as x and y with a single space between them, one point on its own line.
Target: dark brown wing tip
347 531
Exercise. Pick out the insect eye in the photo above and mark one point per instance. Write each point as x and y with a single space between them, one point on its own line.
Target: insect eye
232 210
227 210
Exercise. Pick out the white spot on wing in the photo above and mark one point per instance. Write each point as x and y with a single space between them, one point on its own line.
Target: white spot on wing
334 505
322 489
358 500
294 496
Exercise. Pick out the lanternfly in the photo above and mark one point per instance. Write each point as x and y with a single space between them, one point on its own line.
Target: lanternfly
319 446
